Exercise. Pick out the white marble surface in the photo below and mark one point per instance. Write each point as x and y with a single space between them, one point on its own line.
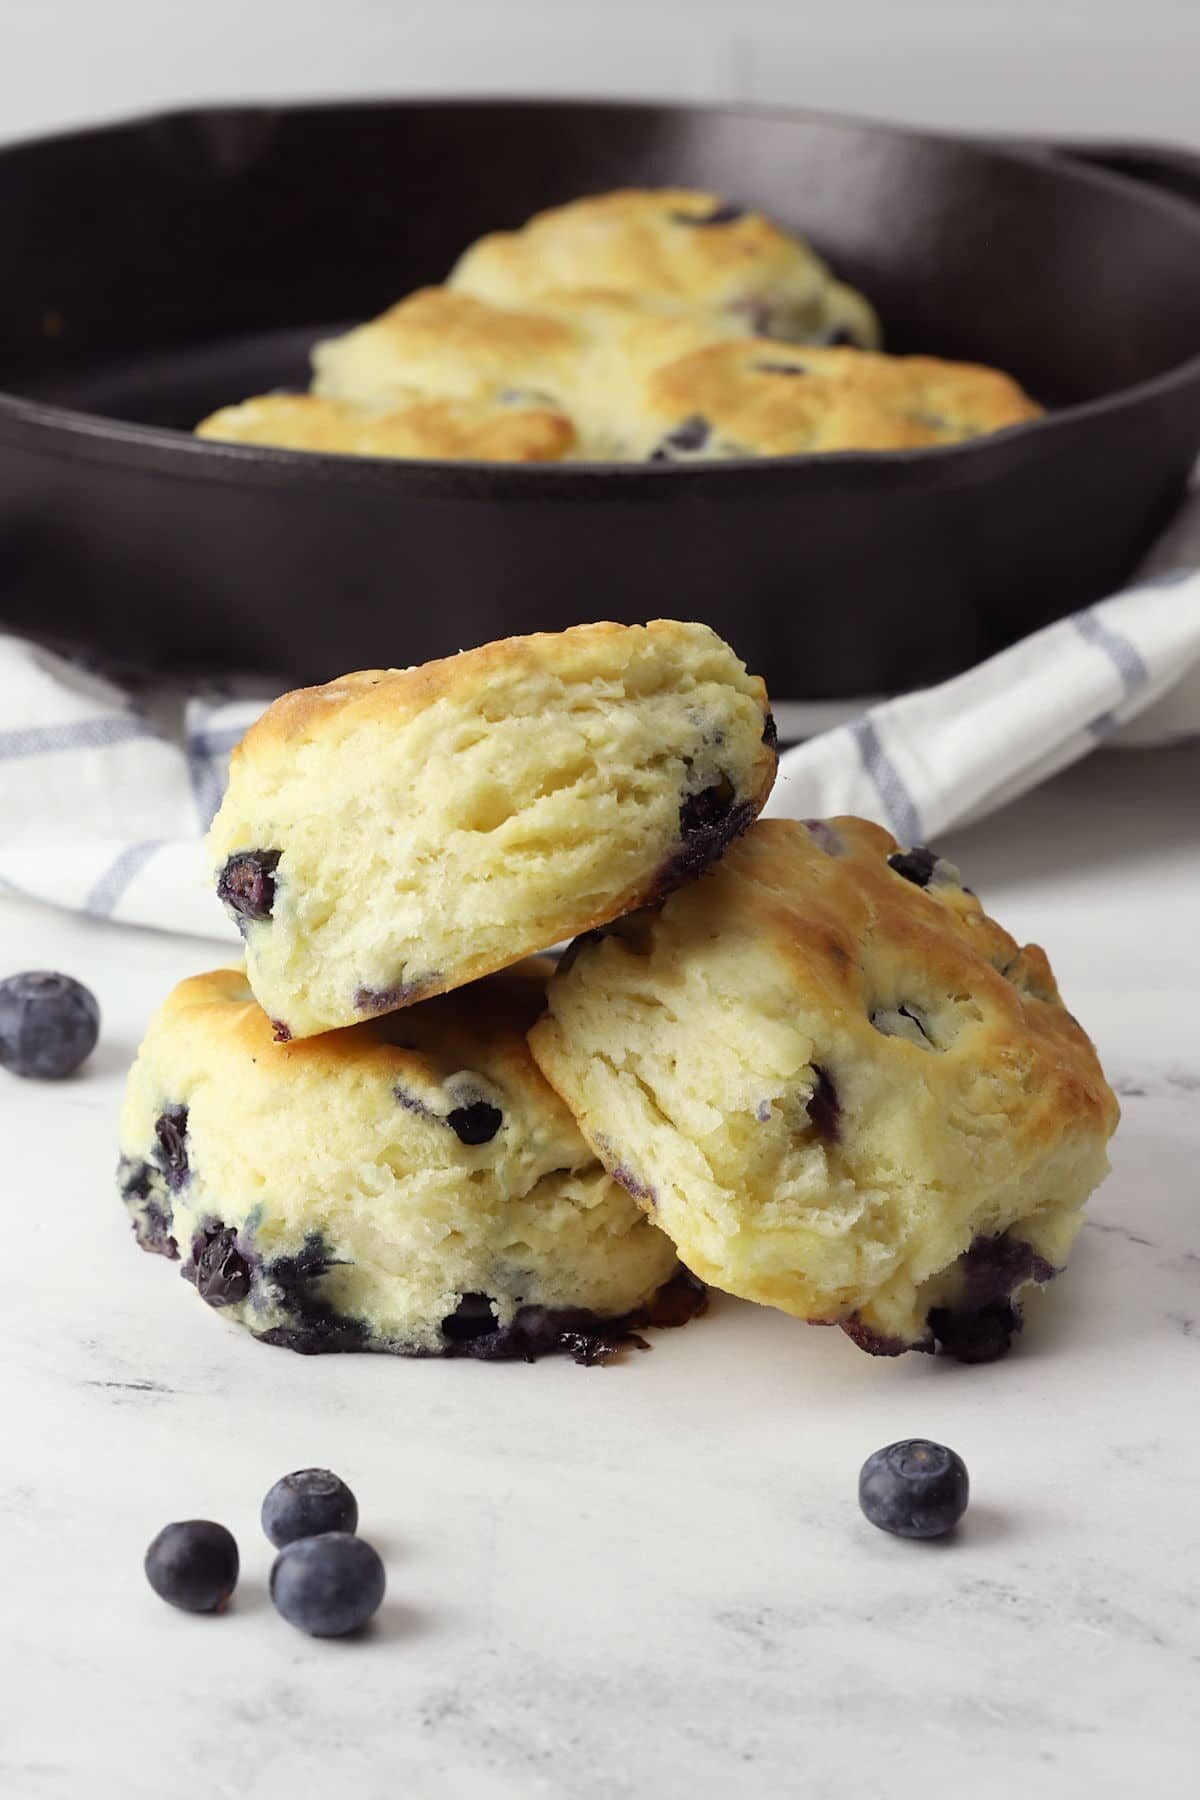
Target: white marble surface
650 1580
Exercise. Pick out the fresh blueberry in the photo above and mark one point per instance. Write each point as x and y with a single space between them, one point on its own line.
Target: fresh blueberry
307 1503
194 1565
477 1123
327 1585
914 1489
48 1024
247 884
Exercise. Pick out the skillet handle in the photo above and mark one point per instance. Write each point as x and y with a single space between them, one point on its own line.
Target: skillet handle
1168 167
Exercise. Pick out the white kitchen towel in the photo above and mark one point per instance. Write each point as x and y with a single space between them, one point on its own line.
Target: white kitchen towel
104 797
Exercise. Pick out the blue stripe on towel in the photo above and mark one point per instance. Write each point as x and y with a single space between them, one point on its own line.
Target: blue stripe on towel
901 808
1121 651
105 893
80 734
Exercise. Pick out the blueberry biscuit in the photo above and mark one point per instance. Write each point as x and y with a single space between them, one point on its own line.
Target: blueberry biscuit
445 345
401 832
475 430
674 247
411 1185
740 398
839 1087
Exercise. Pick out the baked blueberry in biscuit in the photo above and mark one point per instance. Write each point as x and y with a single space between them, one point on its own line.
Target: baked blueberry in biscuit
429 825
411 1185
838 1086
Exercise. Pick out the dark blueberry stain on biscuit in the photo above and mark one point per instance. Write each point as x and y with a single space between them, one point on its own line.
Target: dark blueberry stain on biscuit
638 1190
314 1327
840 335
982 1336
280 1032
916 865
150 1216
473 1329
823 1107
781 368
770 732
247 884
720 215
708 823
152 1227
689 435
877 1343
476 1123
701 812
473 1317
170 1129
413 1103
217 1268
980 1324
381 1000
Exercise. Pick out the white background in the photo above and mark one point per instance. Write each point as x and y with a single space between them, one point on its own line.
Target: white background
1093 67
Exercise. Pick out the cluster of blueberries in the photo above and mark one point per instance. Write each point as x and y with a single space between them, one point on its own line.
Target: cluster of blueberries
326 1580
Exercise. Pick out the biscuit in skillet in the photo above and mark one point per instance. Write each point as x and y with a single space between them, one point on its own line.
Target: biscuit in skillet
456 430
682 247
752 398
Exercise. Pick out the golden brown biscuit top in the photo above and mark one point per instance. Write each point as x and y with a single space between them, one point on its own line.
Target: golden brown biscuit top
451 346
681 243
460 430
479 1028
911 955
637 659
784 399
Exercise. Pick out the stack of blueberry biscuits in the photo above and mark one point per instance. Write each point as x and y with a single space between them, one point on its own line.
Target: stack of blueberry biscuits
790 1060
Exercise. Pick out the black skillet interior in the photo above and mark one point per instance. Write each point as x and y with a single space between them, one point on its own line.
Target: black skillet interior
175 264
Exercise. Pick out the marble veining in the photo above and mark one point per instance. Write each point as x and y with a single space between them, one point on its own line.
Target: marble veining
653 1579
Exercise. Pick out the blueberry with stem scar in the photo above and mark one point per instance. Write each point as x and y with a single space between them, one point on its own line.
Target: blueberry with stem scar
307 1503
914 1489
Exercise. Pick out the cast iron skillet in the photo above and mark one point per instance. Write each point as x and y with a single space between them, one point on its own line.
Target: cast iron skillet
157 269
